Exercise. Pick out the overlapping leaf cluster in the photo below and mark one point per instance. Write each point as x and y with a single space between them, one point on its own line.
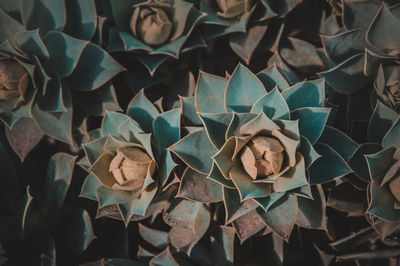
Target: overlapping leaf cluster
212 132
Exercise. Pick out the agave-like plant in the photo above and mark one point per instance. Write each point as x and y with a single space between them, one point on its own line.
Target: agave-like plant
263 148
128 161
377 162
48 67
365 53
246 22
154 30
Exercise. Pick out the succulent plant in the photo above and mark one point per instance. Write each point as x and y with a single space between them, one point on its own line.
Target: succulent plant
263 148
246 22
365 53
154 30
48 67
35 218
128 161
377 162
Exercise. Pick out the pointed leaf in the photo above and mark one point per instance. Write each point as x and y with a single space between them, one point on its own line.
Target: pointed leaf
328 167
24 136
311 213
311 121
281 216
273 105
196 151
81 19
95 68
142 111
216 126
46 15
195 186
305 94
243 90
58 179
382 119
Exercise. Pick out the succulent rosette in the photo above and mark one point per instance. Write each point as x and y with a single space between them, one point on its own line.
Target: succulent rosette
128 161
245 21
48 67
154 30
263 148
377 163
365 53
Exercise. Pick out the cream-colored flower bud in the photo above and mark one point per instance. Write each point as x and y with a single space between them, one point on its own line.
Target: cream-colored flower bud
262 156
151 25
129 167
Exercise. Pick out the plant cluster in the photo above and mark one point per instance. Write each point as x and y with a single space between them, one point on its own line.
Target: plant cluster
210 132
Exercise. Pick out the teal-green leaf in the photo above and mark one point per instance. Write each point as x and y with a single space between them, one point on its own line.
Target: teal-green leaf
239 119
151 61
348 76
234 208
378 164
94 149
30 43
273 105
307 150
281 216
305 94
339 141
245 43
346 44
267 202
271 77
111 122
359 15
9 27
295 177
195 186
216 125
243 90
312 121
89 187
189 112
245 185
260 122
382 119
57 125
166 127
358 163
328 167
142 111
216 175
137 205
196 151
65 52
384 31
58 179
311 213
95 68
108 196
209 94
156 238
122 12
46 15
382 203
81 19
392 139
